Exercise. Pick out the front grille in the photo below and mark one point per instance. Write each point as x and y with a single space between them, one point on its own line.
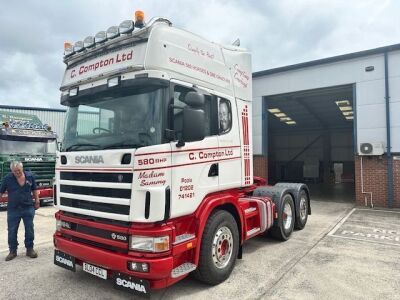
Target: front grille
96 191
105 234
99 177
95 244
72 193
95 206
43 171
97 219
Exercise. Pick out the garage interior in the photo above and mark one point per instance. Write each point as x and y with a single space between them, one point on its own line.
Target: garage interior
311 139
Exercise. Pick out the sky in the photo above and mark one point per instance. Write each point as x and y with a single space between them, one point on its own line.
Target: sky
277 32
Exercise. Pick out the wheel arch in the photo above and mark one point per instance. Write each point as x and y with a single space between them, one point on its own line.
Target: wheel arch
208 207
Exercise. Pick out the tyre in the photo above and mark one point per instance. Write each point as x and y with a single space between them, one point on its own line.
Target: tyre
286 218
219 248
302 211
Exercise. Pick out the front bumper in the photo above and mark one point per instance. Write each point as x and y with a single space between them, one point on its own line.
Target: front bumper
160 268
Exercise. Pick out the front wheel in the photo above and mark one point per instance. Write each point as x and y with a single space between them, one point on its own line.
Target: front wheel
219 248
286 217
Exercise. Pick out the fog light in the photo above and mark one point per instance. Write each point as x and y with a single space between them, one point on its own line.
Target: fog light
58 225
138 267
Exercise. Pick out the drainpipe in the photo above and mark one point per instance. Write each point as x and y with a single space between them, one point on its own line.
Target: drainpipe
388 141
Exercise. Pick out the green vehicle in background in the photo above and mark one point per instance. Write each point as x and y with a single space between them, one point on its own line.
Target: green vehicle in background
25 138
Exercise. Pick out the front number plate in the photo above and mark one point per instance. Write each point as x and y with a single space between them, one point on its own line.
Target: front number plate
96 271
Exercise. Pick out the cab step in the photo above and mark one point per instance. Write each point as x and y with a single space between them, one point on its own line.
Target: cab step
183 269
253 231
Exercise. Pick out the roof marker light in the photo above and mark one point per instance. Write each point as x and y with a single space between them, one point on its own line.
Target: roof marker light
100 37
139 19
88 42
78 46
112 32
126 26
68 49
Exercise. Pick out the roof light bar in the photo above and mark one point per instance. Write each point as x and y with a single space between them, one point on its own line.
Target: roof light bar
112 32
100 37
88 42
78 46
126 26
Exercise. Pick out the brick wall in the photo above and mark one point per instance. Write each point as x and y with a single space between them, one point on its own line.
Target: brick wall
375 181
260 167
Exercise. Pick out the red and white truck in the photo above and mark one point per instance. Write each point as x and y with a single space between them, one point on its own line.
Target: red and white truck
154 179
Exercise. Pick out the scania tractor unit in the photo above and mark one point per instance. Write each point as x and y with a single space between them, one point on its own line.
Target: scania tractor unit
154 178
25 138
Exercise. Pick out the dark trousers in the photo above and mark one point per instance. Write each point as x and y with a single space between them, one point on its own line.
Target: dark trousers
14 216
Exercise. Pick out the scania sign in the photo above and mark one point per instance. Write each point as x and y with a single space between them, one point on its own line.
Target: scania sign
89 159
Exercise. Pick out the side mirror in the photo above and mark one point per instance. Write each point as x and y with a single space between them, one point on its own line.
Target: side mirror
193 119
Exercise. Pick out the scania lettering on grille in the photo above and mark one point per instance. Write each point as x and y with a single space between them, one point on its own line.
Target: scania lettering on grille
89 159
115 236
64 261
129 284
33 159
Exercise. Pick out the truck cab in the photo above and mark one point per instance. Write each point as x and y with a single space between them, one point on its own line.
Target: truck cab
24 138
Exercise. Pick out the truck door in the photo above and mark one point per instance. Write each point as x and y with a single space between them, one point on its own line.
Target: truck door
194 165
230 167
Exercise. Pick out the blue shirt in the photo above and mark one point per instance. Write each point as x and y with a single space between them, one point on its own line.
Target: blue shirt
18 195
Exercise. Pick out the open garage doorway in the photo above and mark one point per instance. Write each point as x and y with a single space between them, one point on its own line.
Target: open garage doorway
310 138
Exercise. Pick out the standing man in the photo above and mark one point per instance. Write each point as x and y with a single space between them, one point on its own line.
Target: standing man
20 186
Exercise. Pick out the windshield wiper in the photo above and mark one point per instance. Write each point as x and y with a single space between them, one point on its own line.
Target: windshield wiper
123 145
77 146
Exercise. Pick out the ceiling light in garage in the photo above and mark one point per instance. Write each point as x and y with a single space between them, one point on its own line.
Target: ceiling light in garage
349 117
342 102
274 110
284 119
347 113
345 108
291 122
280 115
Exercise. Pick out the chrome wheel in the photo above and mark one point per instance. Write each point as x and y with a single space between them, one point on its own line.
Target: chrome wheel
222 247
287 216
303 208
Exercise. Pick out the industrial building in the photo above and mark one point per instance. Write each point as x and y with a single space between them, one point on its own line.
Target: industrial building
334 123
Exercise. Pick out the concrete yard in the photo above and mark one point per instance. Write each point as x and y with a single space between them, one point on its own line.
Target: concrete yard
343 253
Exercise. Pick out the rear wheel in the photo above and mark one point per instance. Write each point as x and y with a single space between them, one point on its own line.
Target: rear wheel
302 211
286 217
219 248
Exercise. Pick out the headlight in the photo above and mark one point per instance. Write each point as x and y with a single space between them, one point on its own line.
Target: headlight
149 244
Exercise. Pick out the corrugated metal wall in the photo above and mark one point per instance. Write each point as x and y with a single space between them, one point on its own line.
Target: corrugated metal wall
54 118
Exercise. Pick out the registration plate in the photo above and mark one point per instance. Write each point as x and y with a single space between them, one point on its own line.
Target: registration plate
96 271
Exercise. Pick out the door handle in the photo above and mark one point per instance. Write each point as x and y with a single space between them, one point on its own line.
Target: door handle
214 170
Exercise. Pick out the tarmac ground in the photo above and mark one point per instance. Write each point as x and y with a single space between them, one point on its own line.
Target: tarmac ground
343 253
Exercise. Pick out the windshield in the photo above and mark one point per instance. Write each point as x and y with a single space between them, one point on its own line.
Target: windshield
124 118
27 147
